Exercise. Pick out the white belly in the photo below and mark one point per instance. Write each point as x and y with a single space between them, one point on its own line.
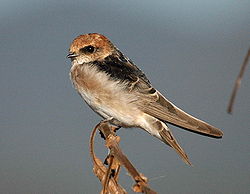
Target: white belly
106 97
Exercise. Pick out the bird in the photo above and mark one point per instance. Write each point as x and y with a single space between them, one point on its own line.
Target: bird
115 88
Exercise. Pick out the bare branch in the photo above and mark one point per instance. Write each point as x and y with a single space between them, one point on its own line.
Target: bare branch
100 170
238 82
116 158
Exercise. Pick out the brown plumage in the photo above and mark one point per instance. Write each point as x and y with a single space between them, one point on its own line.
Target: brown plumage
114 87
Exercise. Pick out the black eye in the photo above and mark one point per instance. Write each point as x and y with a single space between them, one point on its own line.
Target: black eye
88 49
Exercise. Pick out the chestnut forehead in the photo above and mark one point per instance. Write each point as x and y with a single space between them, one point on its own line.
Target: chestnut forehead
96 40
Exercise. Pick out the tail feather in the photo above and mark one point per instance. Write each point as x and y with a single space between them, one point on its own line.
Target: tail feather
160 130
168 138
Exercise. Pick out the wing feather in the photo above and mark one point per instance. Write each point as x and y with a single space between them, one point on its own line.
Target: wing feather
150 100
164 110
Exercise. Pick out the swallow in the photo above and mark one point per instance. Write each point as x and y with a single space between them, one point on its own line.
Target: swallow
115 88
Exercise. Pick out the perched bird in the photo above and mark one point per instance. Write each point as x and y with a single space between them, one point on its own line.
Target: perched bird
114 87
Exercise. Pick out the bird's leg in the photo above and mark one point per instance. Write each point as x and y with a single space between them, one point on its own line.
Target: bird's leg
110 125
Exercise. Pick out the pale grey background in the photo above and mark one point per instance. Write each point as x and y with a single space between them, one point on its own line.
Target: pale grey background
190 50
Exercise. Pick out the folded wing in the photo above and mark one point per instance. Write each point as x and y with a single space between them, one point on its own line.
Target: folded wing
158 106
155 104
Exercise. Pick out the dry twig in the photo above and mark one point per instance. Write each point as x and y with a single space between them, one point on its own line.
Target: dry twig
100 169
238 82
109 176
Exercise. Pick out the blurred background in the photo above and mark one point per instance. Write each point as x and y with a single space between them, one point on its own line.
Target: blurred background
190 50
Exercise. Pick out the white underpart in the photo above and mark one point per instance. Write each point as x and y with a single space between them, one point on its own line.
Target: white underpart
109 99
85 59
147 122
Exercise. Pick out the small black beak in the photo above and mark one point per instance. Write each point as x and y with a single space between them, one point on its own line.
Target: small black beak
71 55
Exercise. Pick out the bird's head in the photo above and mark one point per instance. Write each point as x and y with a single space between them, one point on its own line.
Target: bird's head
88 48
